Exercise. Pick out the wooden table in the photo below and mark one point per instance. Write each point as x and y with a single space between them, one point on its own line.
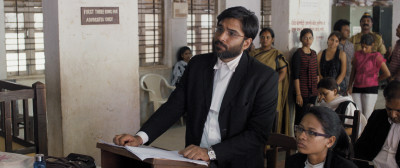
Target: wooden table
114 157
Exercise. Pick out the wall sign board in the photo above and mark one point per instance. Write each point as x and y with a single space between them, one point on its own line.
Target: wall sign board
180 10
99 15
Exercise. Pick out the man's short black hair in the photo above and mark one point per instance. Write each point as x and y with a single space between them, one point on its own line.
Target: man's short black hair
248 19
339 24
392 91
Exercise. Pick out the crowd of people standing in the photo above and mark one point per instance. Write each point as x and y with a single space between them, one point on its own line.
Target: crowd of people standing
356 63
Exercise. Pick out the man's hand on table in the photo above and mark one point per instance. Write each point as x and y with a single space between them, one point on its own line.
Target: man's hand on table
195 152
127 140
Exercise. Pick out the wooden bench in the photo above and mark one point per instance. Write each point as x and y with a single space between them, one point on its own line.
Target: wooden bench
16 101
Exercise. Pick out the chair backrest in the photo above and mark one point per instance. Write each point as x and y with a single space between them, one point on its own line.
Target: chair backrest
35 128
279 142
355 126
152 84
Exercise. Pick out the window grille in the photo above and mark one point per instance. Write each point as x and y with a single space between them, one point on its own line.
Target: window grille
151 29
201 23
24 37
266 13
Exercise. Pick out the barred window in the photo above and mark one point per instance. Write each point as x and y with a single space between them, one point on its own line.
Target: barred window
266 13
151 29
201 23
24 37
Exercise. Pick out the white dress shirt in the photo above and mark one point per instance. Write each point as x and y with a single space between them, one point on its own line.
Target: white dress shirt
386 157
222 76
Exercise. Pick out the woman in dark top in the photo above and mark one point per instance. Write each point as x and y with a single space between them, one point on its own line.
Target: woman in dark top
305 73
332 62
321 141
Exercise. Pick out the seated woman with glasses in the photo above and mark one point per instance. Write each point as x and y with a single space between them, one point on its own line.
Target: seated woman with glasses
321 141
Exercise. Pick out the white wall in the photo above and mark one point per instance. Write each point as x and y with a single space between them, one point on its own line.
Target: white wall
175 34
396 20
314 14
280 25
98 75
331 3
3 64
287 30
52 77
253 5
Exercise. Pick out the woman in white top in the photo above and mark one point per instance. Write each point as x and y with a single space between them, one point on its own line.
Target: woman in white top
328 97
183 57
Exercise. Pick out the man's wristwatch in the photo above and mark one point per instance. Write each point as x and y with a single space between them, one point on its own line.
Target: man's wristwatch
211 154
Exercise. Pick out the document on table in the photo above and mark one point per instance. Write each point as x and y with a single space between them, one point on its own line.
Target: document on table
144 152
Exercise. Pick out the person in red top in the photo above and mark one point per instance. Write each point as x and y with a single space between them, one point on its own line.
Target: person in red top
364 78
305 73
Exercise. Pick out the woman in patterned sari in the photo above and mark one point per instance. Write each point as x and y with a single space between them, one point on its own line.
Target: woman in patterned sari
274 59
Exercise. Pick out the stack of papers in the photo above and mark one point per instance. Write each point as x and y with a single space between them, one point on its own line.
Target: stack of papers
145 152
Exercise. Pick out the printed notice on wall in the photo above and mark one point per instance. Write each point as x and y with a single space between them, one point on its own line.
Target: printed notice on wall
99 15
312 14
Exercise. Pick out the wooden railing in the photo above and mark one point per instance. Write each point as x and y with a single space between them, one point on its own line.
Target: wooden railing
15 98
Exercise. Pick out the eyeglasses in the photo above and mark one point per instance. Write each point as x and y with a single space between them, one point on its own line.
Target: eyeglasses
299 130
389 109
231 33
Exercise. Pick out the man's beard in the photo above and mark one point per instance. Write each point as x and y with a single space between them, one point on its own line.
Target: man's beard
395 120
233 52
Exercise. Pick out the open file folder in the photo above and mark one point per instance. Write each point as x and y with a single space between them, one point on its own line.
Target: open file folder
145 152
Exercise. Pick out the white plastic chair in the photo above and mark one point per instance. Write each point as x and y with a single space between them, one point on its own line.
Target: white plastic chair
152 83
